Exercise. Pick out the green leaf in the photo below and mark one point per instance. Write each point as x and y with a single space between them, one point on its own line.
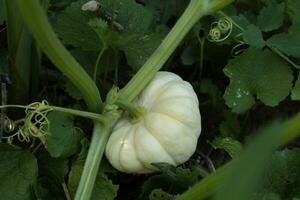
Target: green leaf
159 194
241 20
253 36
72 27
230 127
282 175
56 168
77 167
165 10
63 139
296 90
133 16
52 172
139 47
86 59
183 180
18 173
208 87
289 43
166 168
271 17
260 73
103 188
100 27
137 40
244 178
233 147
72 90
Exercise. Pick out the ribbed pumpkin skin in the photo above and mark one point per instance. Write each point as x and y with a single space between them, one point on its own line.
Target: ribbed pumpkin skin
168 131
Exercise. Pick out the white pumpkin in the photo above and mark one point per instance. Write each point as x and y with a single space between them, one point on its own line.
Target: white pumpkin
167 132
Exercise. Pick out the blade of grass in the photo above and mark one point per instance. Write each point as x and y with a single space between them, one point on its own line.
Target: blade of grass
214 182
246 171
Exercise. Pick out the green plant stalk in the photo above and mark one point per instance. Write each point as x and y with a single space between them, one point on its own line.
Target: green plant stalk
93 116
98 61
96 151
36 19
212 183
195 10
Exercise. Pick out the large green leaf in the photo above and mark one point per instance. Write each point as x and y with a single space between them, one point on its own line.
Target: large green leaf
63 139
165 10
173 184
52 172
271 17
257 73
18 173
72 27
289 43
253 36
139 47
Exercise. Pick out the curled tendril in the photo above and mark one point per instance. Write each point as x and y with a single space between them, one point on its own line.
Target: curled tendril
214 34
225 25
34 125
8 124
220 30
238 49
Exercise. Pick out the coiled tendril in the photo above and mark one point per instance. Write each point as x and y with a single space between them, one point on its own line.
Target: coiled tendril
220 30
34 125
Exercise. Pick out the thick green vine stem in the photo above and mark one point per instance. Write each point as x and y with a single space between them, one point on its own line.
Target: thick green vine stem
195 10
100 137
36 19
212 183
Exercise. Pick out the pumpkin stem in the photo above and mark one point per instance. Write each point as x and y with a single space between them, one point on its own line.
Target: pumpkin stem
135 112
